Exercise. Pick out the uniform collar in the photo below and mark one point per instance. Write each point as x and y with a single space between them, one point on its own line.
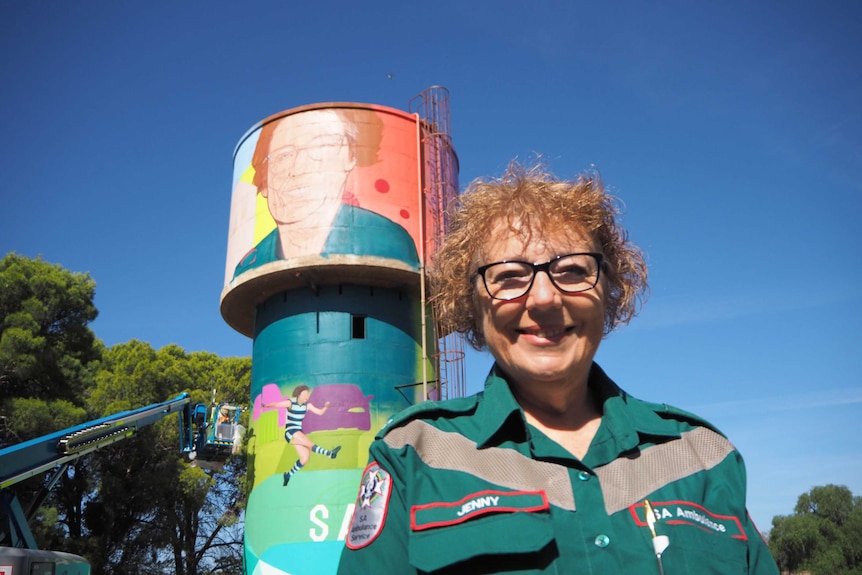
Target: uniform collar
625 420
499 416
626 424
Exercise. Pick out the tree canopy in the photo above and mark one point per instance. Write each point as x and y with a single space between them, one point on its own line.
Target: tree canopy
46 346
823 536
137 506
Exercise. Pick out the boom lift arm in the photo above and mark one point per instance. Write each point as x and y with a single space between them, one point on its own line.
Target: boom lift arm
57 450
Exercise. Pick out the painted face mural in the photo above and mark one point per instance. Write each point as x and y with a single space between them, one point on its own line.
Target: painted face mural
309 158
330 185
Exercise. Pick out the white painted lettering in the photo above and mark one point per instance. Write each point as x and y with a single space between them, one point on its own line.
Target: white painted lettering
345 522
317 516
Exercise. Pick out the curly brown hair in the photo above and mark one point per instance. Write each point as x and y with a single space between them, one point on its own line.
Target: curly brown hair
533 203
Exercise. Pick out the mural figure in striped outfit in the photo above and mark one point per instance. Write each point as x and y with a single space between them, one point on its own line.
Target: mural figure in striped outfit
297 407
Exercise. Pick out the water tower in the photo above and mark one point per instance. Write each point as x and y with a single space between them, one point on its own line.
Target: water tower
336 208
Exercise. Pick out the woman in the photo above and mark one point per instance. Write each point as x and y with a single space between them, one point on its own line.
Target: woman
553 468
297 408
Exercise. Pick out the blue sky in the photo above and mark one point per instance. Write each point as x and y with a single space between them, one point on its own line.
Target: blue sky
731 130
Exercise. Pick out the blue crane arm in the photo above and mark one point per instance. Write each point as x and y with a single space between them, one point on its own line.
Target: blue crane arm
24 460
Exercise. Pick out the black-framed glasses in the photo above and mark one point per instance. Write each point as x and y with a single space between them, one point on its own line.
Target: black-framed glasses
570 273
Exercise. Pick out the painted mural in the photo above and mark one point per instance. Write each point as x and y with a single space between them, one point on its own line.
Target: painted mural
325 181
332 361
321 389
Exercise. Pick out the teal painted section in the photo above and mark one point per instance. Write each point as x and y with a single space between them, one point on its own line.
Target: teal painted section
353 347
309 339
355 231
299 529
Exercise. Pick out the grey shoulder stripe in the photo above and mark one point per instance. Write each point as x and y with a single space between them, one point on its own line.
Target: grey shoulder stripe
504 467
626 481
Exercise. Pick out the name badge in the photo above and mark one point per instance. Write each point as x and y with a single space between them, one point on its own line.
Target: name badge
441 514
691 514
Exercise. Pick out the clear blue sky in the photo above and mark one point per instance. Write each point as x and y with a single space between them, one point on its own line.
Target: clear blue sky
732 130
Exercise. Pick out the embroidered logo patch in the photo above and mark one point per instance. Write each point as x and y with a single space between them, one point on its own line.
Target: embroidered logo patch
688 513
433 515
372 503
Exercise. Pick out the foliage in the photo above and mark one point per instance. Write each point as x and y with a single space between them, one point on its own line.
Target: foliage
824 535
34 417
45 342
47 356
137 506
155 511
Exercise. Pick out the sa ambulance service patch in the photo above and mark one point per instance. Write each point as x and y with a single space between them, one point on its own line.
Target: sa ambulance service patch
371 505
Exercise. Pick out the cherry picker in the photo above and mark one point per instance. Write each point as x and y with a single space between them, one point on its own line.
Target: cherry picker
207 437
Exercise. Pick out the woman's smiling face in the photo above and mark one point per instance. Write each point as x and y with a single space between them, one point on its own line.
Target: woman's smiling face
545 337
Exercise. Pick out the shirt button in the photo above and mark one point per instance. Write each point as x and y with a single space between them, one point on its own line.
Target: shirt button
602 541
584 476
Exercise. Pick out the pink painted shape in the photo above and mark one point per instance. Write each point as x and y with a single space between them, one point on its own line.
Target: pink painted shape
270 393
342 397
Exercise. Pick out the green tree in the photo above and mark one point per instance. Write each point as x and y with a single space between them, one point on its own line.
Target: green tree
45 342
136 506
47 356
154 513
824 535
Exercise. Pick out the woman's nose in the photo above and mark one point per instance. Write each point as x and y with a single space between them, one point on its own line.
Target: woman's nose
543 292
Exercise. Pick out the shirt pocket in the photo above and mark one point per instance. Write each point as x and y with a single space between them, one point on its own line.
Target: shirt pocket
698 551
515 542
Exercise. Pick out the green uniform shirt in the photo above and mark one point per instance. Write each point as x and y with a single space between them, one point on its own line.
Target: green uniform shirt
467 486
